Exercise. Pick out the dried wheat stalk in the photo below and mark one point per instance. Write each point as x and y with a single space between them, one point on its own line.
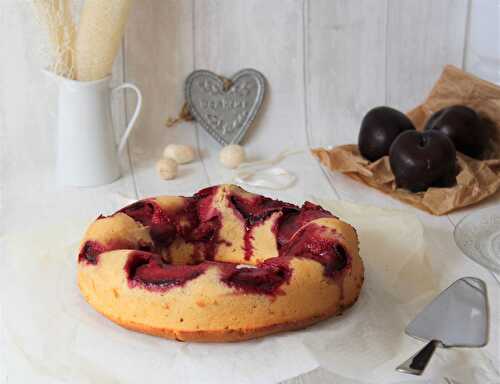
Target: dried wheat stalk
55 17
101 27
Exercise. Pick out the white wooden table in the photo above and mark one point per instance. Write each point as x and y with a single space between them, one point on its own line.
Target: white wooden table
327 63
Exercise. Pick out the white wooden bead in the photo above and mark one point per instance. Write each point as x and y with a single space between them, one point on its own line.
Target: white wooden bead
166 168
182 154
232 156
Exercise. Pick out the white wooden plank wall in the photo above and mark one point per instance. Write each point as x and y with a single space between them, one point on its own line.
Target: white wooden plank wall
345 63
422 36
327 62
159 56
271 41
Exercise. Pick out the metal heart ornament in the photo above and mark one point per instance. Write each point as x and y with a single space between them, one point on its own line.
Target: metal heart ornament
225 108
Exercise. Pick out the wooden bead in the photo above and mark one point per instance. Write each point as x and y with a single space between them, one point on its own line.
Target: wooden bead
182 154
166 168
232 156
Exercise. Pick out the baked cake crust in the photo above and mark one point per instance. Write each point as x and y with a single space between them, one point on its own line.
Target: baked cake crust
224 265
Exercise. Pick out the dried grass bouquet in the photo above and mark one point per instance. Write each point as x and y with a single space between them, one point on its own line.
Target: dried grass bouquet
83 50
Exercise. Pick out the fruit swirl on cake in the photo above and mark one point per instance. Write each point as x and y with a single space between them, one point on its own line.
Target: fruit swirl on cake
223 265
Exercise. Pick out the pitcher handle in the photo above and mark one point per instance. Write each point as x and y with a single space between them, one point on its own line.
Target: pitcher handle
135 115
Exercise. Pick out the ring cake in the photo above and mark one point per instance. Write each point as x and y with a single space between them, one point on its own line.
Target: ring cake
223 265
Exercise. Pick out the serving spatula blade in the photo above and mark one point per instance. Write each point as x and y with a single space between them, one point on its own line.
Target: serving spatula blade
458 317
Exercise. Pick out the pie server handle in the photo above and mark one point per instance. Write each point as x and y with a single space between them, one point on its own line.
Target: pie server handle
416 364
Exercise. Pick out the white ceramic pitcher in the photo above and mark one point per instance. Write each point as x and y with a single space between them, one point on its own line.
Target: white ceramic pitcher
87 154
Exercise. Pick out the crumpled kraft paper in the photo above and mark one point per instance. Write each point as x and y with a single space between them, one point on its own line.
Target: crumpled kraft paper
476 180
50 334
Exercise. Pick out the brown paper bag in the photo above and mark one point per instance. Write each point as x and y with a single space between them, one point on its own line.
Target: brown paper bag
476 180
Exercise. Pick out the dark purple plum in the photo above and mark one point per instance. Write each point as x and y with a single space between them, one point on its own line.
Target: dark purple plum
420 160
463 126
379 129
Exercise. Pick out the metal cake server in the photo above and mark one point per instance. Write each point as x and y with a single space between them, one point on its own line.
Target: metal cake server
458 317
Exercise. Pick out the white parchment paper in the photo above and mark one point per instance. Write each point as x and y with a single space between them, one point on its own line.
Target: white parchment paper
49 334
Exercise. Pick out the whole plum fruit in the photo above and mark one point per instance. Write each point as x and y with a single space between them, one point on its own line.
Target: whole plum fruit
463 126
379 129
420 160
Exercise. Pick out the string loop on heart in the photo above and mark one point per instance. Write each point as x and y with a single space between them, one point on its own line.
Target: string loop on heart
185 115
264 174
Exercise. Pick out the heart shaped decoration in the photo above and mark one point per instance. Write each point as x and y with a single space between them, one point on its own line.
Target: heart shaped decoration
225 108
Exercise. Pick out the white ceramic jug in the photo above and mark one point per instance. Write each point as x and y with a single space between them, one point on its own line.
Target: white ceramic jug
87 154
